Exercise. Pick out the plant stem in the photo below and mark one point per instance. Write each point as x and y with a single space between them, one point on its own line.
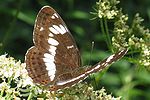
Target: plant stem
104 28
107 35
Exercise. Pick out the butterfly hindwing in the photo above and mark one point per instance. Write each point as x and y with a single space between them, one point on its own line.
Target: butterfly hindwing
35 66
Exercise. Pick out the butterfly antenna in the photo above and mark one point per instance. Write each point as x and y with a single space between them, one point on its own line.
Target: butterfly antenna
92 46
92 75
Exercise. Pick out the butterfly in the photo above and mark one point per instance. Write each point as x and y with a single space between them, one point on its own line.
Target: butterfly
54 60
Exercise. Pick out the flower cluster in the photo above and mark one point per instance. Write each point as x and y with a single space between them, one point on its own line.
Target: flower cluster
16 84
85 92
136 37
120 31
13 76
107 8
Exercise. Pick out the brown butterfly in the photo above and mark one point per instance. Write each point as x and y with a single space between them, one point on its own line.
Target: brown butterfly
54 60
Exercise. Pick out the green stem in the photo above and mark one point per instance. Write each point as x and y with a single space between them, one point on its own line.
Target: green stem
107 35
103 31
30 96
2 92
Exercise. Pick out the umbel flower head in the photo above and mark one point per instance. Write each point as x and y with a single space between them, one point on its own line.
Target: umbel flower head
16 84
107 8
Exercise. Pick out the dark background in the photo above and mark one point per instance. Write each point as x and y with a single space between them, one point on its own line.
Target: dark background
122 79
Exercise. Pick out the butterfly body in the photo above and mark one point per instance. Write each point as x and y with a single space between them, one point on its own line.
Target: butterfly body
54 60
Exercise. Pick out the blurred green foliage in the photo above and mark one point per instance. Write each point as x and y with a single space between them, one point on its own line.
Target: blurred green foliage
122 79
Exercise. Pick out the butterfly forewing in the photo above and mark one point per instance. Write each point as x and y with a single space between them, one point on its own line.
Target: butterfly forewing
54 46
